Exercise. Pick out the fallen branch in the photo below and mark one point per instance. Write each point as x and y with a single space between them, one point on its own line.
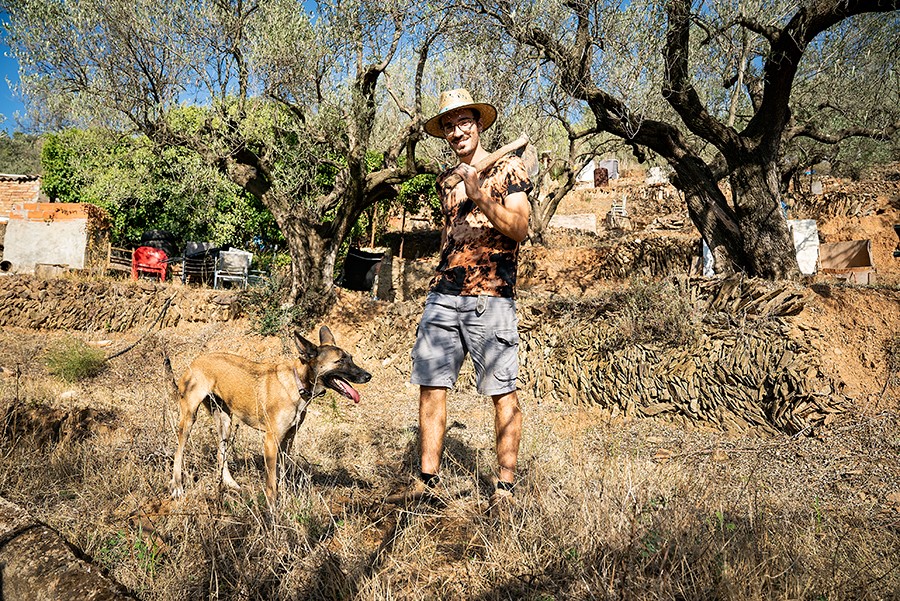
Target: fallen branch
138 341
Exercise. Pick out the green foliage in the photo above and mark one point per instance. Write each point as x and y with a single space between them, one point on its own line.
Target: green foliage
413 195
122 546
73 360
20 153
418 193
61 180
145 187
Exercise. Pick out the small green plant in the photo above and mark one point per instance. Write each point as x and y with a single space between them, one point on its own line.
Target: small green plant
651 544
120 546
267 309
74 360
270 312
113 550
819 514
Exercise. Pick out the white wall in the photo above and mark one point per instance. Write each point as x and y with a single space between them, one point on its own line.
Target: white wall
28 243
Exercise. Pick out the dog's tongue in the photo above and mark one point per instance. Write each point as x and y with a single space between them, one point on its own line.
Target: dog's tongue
348 390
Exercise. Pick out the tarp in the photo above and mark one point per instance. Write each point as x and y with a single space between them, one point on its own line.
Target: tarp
587 173
708 261
806 243
611 166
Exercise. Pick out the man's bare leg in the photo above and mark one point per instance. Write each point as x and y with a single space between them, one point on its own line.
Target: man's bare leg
508 429
432 425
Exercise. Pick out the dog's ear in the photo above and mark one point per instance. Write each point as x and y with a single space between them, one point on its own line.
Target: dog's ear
308 351
325 337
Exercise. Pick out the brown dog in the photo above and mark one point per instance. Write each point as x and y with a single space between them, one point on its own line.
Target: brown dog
271 397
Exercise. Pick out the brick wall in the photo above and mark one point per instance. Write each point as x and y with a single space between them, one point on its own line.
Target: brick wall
54 211
18 189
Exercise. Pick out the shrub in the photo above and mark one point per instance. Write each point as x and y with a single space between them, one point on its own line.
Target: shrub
654 312
74 360
658 313
269 312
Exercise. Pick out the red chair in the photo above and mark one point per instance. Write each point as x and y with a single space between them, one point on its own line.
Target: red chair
147 259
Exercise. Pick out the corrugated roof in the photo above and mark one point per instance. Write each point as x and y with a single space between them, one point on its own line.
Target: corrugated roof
12 177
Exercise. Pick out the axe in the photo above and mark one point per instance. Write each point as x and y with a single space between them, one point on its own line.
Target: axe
521 146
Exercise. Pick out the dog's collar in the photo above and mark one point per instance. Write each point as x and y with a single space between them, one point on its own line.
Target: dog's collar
305 394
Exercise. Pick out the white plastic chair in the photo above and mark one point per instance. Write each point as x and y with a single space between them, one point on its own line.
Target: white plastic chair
232 266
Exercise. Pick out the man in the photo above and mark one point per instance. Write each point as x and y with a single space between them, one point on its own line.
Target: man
471 307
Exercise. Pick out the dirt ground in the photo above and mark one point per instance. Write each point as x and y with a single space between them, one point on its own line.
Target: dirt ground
608 509
628 508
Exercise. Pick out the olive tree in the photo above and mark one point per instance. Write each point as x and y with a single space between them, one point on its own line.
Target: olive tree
643 70
282 99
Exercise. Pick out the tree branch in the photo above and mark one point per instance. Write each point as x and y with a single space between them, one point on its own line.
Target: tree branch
812 131
769 121
767 31
677 88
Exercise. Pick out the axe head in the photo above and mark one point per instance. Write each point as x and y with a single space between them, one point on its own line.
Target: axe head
529 156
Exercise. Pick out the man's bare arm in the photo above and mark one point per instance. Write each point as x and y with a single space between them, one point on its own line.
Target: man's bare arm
510 218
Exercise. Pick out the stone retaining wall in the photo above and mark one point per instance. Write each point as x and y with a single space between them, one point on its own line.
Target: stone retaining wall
748 369
731 379
74 304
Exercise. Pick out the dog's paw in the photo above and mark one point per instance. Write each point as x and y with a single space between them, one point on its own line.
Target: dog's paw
177 491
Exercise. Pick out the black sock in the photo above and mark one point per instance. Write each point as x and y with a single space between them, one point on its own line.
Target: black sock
507 486
429 479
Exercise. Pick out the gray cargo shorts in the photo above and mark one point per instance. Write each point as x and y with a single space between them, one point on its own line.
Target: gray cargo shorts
485 327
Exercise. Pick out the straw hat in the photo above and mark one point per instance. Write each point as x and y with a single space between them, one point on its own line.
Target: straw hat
459 99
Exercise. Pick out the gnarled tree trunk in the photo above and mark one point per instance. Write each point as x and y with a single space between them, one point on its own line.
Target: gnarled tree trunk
747 232
767 247
313 255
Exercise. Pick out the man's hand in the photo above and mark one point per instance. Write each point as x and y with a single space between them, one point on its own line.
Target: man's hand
510 217
472 182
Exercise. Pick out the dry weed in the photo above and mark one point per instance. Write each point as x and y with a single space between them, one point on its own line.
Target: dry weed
605 510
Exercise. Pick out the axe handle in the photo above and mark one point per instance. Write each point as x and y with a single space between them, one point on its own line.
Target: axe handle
488 161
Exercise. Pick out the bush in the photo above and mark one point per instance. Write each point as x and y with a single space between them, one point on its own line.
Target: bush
74 360
270 312
265 307
657 312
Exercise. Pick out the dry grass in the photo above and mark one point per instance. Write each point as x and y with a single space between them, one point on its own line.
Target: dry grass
605 510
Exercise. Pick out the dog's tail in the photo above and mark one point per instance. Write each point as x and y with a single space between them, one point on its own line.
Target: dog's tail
170 378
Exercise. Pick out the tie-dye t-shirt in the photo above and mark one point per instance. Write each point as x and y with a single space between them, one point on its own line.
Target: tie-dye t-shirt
476 258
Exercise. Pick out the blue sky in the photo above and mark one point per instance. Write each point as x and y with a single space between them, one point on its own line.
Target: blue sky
8 104
9 70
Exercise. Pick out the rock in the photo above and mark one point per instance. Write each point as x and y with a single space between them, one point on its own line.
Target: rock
37 564
663 455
